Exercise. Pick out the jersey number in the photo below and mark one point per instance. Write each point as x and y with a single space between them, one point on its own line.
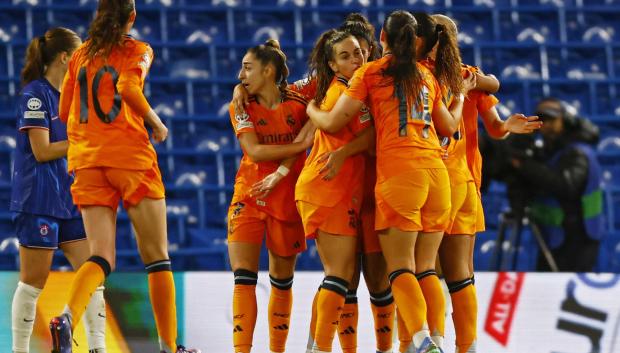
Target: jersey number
116 106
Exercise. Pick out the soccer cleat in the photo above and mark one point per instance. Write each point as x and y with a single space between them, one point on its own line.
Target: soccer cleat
60 328
428 346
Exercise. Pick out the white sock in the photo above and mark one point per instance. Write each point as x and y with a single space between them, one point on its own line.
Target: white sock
418 337
94 321
23 311
438 341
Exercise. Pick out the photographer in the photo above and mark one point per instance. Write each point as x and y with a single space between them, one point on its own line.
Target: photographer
563 177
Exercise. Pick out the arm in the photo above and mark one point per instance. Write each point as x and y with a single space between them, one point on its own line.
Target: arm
335 159
66 95
516 123
448 121
260 153
331 122
487 83
43 150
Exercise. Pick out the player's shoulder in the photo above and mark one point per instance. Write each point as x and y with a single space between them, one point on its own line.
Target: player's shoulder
293 97
35 91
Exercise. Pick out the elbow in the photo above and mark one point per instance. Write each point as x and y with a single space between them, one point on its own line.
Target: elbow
40 157
331 129
254 155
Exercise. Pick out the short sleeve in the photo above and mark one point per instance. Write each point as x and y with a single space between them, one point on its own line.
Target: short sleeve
486 101
32 112
140 60
364 120
357 85
305 87
241 122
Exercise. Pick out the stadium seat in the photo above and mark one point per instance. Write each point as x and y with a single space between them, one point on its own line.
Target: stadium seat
198 26
71 17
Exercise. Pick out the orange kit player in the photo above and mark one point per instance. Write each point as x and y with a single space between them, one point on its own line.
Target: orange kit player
112 158
467 217
412 191
331 216
266 131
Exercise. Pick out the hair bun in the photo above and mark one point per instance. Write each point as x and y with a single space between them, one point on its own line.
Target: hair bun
272 43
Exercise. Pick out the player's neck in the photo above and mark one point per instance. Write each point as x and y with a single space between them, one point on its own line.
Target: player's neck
54 76
269 97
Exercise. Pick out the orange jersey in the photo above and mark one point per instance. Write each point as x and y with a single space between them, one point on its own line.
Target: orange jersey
477 101
279 126
103 130
406 137
351 175
306 87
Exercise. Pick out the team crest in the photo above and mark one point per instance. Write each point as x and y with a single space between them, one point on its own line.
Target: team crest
34 104
290 120
44 229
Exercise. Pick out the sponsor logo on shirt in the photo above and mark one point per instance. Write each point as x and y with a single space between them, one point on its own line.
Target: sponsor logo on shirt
29 114
44 229
365 114
34 104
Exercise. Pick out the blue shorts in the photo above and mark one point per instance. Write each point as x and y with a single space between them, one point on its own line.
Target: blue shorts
45 232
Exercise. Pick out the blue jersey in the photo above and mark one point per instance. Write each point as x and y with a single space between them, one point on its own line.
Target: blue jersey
40 188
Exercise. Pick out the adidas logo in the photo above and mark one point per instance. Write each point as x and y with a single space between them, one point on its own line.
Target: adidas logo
297 245
384 329
238 329
282 327
262 122
348 331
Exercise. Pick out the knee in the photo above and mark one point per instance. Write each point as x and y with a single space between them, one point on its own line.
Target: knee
35 279
152 251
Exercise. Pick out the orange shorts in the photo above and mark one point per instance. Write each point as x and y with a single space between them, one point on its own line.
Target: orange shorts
247 224
104 186
369 237
414 201
464 213
480 222
342 219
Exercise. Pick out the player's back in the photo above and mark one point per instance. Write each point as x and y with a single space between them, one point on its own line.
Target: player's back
102 128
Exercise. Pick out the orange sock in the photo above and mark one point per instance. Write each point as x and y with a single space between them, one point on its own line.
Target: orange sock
279 312
329 307
464 314
382 305
244 310
310 344
435 304
410 302
163 302
90 276
347 327
404 336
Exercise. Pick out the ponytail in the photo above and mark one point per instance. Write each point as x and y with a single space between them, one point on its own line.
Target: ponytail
270 53
322 54
43 50
107 29
400 30
448 59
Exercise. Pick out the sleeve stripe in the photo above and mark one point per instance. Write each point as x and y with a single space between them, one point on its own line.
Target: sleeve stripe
27 127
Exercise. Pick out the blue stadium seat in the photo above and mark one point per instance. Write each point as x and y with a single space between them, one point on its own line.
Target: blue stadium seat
198 26
591 26
168 96
148 26
13 25
578 63
475 24
541 26
258 26
69 17
575 92
484 251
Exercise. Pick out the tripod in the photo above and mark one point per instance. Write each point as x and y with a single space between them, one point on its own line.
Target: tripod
510 229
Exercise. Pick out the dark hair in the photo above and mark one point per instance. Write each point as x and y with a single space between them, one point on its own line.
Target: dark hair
322 54
400 31
448 59
43 50
359 26
107 29
270 53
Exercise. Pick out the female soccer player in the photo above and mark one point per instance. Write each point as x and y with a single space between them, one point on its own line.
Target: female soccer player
467 217
112 158
266 131
45 217
412 191
331 217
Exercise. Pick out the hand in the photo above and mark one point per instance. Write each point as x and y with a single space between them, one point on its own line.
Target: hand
264 187
333 163
160 132
469 83
240 99
520 124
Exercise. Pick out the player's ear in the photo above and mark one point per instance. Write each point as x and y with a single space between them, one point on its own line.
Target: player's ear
64 57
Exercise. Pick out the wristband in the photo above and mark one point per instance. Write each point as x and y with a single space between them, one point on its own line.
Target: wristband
283 170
